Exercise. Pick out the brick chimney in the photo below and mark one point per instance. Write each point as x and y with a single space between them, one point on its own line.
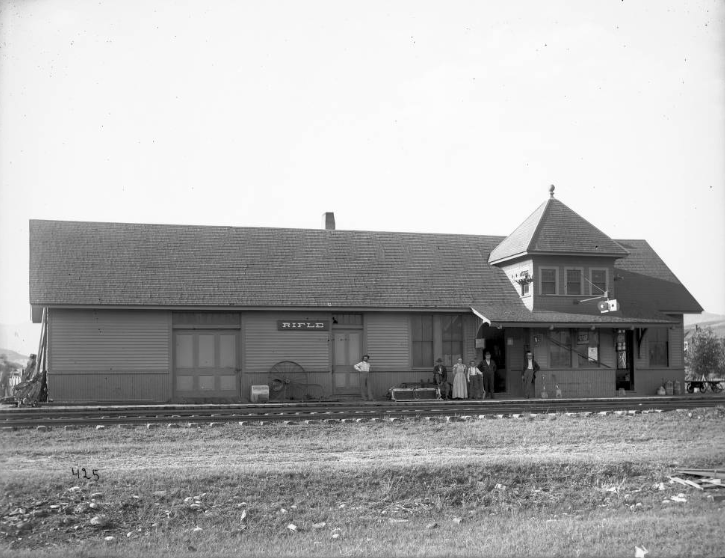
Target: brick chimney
329 221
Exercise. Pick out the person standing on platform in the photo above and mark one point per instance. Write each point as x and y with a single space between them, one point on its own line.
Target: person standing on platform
460 384
528 375
475 381
440 379
488 368
366 390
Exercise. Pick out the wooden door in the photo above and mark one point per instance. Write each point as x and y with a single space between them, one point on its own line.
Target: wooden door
347 351
205 365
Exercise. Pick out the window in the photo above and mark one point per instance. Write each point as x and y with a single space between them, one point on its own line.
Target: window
452 338
560 349
599 281
422 340
573 281
657 345
587 348
548 280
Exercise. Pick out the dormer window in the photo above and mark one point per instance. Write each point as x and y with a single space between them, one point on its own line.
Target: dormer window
548 280
573 281
598 278
524 279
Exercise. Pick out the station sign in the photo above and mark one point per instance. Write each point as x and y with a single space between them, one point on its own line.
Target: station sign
303 325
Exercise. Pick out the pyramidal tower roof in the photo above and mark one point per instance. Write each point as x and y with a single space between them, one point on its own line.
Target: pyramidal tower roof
553 228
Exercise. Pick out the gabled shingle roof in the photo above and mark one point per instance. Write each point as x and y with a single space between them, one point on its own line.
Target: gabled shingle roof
78 263
174 266
555 229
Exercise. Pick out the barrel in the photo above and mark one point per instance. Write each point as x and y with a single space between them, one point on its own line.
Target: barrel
669 387
678 387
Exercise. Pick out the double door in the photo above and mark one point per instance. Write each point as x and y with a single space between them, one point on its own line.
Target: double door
205 365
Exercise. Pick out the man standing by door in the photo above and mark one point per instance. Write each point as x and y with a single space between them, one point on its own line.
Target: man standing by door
366 390
488 369
528 375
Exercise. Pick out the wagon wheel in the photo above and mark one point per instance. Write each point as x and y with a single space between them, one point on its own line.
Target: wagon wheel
286 380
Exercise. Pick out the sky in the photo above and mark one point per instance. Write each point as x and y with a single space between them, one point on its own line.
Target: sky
415 116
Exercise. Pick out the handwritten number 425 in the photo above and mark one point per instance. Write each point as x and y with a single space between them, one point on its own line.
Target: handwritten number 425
77 473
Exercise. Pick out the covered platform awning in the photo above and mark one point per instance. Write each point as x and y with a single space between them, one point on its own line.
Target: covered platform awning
517 317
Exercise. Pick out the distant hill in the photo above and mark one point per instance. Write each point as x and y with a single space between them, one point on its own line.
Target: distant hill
714 321
16 360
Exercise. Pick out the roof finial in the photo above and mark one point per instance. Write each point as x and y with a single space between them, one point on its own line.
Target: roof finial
551 190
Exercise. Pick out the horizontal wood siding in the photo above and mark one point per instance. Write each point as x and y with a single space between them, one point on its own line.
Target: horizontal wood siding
387 340
147 386
263 346
114 341
583 382
109 355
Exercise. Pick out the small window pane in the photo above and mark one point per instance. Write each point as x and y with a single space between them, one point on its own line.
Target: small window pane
184 383
206 351
599 281
573 282
228 383
184 351
227 351
657 345
422 344
548 281
206 383
560 349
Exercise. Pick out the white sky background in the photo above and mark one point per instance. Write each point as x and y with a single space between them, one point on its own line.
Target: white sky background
449 117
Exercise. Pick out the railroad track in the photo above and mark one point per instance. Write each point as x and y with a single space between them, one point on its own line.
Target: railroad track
127 415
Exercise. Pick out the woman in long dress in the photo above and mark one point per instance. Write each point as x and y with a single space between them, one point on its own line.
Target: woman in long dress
460 387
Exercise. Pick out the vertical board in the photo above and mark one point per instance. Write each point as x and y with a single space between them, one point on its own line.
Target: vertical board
388 341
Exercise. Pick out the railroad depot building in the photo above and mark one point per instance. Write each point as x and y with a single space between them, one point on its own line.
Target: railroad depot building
170 313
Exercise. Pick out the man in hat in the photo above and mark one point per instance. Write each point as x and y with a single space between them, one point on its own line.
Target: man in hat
366 389
440 379
528 375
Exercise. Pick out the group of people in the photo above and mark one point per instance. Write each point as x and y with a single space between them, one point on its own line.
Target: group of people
466 382
477 381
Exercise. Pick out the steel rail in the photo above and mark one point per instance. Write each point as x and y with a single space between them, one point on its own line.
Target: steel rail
292 412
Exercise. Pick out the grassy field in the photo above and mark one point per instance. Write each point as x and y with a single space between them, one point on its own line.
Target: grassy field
544 486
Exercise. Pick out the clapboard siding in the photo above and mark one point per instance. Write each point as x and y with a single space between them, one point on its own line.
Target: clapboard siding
263 346
114 341
388 340
90 387
582 382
